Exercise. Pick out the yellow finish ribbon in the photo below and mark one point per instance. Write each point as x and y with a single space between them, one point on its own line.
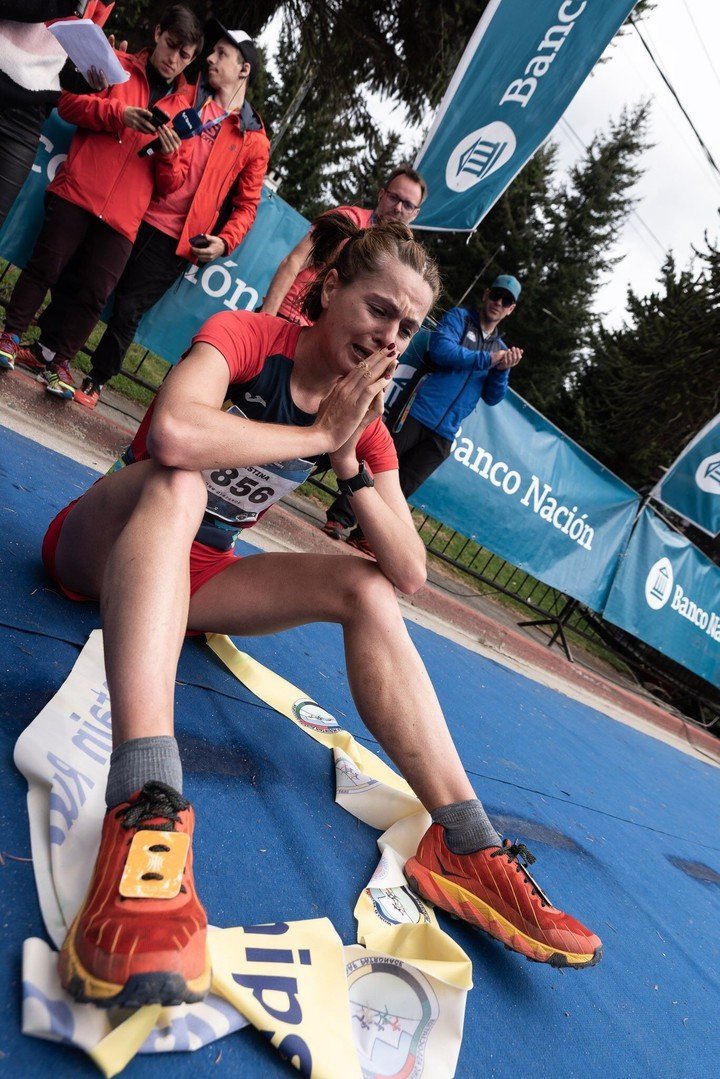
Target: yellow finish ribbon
305 713
117 1048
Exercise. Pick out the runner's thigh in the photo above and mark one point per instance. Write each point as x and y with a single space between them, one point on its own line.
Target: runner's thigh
95 522
271 592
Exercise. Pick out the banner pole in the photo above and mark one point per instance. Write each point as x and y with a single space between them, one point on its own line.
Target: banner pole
293 108
472 286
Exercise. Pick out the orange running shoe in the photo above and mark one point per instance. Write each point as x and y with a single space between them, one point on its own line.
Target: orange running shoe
492 889
140 936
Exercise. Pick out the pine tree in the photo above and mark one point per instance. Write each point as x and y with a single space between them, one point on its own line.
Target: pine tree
508 240
651 385
572 255
332 152
408 49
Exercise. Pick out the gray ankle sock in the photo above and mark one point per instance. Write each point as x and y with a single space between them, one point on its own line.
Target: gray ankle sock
467 826
136 762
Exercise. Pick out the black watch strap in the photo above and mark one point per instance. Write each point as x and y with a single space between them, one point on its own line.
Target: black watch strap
355 483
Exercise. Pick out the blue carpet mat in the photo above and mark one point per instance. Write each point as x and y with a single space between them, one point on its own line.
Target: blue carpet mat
626 830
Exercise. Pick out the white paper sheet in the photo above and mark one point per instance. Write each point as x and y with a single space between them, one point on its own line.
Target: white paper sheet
86 45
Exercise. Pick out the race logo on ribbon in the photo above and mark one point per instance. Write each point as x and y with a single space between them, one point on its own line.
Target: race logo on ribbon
348 780
479 155
393 1010
398 906
312 715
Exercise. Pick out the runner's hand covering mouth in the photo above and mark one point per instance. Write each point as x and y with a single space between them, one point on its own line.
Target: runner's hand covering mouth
356 399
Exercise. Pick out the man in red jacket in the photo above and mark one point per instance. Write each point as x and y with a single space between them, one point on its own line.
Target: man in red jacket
98 198
215 206
205 218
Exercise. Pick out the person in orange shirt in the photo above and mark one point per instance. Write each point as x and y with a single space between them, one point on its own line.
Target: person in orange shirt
152 541
399 199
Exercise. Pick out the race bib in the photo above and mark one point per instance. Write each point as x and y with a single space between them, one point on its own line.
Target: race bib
237 496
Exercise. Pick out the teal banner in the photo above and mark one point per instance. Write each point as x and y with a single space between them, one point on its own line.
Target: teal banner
520 71
691 486
237 281
666 592
520 487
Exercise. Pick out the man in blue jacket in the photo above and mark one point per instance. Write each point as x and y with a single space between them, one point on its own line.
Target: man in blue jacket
471 363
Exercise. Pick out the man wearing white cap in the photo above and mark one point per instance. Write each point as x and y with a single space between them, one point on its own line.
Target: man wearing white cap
206 218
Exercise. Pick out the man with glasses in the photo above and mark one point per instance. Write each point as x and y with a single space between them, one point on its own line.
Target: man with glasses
399 200
471 363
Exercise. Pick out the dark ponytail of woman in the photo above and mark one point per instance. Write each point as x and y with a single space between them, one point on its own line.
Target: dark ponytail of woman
329 231
366 252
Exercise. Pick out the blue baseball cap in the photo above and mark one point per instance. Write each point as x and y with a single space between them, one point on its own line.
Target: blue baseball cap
510 284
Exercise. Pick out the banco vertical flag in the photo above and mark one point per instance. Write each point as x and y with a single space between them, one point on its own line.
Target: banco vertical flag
691 486
523 66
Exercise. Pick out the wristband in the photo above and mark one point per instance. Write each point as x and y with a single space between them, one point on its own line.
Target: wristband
355 483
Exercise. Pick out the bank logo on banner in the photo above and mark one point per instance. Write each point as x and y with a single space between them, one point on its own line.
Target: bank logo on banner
659 583
390 1040
660 586
479 155
707 475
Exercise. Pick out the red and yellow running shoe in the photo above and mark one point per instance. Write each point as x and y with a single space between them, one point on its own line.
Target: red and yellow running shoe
140 936
493 890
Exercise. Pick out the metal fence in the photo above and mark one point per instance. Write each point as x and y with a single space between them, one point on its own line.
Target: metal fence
562 617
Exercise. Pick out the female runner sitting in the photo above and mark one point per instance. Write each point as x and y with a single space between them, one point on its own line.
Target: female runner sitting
153 541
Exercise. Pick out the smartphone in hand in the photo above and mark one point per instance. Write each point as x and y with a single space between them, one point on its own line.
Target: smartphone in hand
159 117
200 240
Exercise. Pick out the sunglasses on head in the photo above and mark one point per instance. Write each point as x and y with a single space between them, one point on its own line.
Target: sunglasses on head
499 295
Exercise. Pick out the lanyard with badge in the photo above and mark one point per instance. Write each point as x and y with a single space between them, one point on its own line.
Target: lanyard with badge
216 120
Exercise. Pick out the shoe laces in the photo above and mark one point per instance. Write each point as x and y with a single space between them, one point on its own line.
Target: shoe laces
519 853
155 801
